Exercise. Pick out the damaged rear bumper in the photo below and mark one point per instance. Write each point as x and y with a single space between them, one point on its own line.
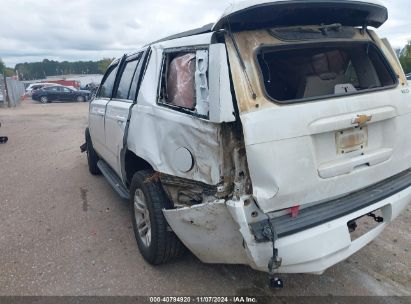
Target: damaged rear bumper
222 232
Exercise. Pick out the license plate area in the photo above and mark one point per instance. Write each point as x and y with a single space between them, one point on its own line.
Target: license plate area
360 226
351 140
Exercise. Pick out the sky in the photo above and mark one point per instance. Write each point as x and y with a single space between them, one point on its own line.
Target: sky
31 30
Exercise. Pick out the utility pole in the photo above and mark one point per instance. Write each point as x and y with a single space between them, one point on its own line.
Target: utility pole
7 99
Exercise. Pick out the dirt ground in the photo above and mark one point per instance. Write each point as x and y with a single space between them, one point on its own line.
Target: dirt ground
65 232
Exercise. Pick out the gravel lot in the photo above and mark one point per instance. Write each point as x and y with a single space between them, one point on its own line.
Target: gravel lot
65 232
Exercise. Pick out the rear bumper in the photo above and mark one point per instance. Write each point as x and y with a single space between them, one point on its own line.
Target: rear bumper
225 231
318 248
320 213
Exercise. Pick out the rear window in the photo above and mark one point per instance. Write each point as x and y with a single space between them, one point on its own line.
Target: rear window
300 73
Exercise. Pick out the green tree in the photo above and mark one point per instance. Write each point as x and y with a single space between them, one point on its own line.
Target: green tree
2 67
8 72
405 58
104 64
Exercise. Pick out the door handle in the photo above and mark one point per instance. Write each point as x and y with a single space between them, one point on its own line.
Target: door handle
98 111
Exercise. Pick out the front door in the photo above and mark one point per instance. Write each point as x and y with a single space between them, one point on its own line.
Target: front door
53 93
98 111
66 94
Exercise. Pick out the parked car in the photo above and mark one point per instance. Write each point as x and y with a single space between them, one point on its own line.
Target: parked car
264 139
409 76
36 86
58 92
1 96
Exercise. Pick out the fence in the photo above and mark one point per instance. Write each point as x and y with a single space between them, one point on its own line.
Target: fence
12 91
2 92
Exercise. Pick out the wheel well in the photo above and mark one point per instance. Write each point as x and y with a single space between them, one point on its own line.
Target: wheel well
133 163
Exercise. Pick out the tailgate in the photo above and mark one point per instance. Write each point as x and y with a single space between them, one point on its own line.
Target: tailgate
305 151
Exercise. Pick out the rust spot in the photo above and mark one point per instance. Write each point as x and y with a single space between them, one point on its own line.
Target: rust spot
362 120
153 178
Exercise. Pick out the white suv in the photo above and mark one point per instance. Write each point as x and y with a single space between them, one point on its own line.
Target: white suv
262 139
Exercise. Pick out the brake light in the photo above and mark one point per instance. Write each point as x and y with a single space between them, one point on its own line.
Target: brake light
294 211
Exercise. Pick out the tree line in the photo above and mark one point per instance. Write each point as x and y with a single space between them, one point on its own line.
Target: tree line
40 70
5 70
405 58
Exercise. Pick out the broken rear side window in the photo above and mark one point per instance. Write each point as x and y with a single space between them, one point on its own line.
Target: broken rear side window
305 73
184 83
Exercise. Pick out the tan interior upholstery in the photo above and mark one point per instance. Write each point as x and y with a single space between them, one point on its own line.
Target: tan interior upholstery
315 85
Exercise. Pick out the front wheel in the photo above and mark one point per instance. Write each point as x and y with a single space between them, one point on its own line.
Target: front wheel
156 242
92 157
44 99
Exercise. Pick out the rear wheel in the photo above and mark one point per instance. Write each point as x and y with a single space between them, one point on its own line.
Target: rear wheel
80 98
92 157
44 99
156 242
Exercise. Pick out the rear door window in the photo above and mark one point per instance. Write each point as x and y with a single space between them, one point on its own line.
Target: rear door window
184 82
123 91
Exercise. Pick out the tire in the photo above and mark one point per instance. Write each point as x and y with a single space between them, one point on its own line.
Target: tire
80 98
44 99
92 157
159 244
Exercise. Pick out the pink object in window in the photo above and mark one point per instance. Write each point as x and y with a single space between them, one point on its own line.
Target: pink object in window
180 81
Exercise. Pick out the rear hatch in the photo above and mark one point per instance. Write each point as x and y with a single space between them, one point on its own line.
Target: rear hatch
341 126
257 14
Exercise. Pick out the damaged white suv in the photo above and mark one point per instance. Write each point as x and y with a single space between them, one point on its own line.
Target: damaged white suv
262 139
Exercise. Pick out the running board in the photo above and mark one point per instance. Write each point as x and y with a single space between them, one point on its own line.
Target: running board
113 179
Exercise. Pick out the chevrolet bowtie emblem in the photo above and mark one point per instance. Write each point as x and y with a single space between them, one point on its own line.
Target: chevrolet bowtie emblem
361 120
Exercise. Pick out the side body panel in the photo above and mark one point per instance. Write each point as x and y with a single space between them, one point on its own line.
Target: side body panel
161 135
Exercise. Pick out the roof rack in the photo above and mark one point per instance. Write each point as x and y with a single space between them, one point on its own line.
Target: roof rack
202 30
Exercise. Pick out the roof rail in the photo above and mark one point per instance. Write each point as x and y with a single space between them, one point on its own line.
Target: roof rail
202 30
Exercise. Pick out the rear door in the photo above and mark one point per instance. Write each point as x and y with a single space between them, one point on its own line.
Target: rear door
97 110
118 109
